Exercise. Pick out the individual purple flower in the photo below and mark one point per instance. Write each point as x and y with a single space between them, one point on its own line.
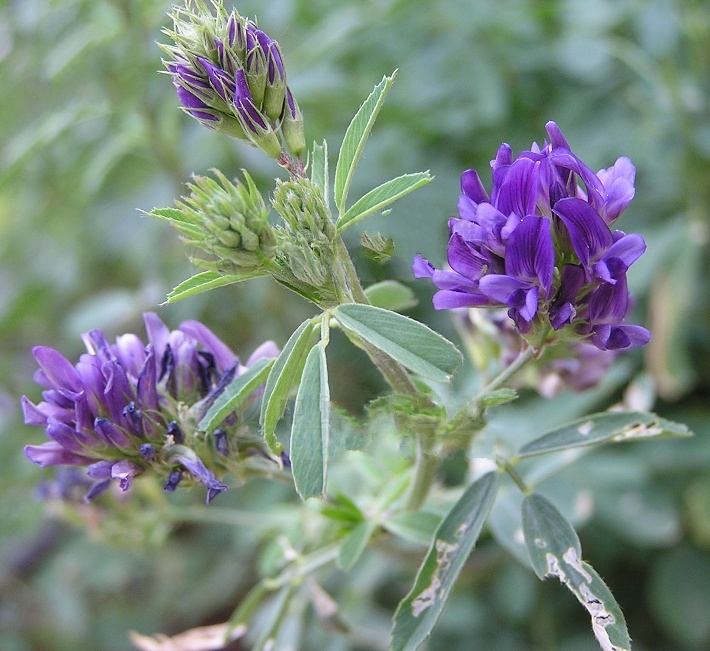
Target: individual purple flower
123 408
540 244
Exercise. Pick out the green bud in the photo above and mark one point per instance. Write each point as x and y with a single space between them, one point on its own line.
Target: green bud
292 126
227 220
300 202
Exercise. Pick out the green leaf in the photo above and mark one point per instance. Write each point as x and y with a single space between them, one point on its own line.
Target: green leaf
283 375
497 397
417 527
391 295
454 540
206 280
407 341
355 543
354 140
605 427
238 390
382 196
180 221
310 431
319 168
555 550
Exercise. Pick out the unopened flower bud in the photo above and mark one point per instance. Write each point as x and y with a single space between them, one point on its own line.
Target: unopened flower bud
227 220
255 124
292 126
230 77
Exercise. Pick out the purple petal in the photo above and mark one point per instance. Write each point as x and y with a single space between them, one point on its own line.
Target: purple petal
130 351
193 464
224 357
111 433
589 233
422 268
125 471
618 182
100 469
464 259
500 288
63 434
57 370
556 137
267 350
53 454
472 187
517 194
194 105
158 333
620 256
451 300
32 413
530 254
609 304
563 308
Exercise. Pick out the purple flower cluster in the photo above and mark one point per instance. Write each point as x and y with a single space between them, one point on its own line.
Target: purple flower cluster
127 407
541 245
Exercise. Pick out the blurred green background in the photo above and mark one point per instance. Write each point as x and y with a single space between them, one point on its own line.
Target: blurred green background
90 134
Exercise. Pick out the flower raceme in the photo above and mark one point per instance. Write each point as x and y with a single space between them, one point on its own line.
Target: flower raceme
541 245
230 77
127 408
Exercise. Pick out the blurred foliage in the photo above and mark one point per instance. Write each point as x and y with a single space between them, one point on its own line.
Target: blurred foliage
90 133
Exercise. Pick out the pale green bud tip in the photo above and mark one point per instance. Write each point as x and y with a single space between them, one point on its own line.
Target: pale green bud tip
292 126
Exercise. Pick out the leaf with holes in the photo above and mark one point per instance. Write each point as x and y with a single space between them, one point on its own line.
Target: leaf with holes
455 538
554 549
605 427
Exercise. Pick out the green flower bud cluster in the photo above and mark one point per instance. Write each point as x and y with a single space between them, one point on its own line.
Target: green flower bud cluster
230 77
306 239
227 220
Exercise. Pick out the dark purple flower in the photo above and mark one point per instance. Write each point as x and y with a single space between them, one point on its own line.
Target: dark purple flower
540 245
116 410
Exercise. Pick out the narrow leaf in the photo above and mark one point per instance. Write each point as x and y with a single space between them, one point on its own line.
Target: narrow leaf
310 431
319 168
283 375
455 538
497 397
407 341
382 196
555 550
235 394
206 280
354 141
605 427
391 295
354 544
177 219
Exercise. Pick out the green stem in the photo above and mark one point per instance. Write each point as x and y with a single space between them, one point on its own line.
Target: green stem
425 467
505 465
351 290
525 355
217 515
